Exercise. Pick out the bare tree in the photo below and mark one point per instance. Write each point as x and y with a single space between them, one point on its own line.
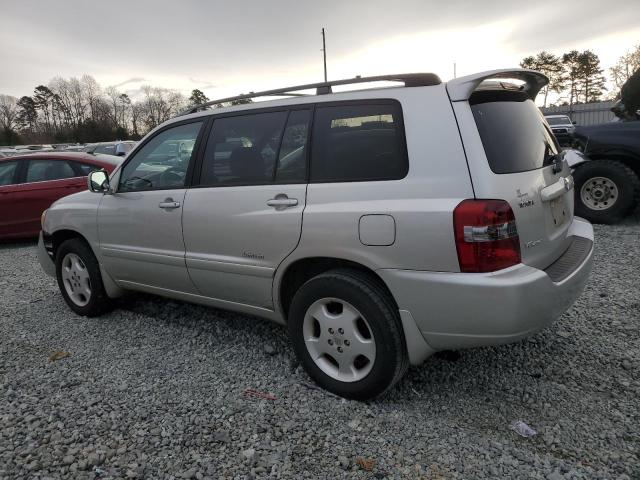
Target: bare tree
8 112
159 105
92 93
625 67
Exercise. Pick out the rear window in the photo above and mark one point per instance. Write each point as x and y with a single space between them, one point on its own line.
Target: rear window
353 143
513 132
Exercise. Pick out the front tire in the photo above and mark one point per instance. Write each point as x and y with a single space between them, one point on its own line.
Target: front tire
347 334
79 278
605 191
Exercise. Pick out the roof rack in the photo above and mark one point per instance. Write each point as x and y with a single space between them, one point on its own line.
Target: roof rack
323 88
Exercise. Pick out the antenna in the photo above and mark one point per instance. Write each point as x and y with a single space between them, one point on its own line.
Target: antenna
324 55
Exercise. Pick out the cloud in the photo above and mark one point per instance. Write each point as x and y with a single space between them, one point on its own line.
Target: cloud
256 45
131 80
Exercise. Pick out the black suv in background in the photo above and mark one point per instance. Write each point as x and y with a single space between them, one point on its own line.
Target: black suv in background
607 186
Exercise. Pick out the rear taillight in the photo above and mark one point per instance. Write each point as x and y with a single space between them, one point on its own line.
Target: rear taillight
486 235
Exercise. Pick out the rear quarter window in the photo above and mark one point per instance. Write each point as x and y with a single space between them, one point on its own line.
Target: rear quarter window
513 132
353 143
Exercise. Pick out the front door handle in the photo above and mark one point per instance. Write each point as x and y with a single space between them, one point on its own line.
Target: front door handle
282 201
169 204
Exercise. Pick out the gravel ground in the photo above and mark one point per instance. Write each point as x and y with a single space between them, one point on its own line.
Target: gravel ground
156 389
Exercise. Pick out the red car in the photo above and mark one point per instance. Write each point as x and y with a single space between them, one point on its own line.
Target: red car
30 183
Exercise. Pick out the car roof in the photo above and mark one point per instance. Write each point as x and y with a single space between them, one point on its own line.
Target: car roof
77 156
114 142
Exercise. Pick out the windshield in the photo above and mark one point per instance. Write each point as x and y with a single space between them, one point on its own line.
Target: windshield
513 133
558 120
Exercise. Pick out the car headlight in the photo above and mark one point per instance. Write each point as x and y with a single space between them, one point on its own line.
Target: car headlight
42 218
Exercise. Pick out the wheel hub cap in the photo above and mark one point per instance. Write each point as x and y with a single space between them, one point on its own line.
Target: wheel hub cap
339 340
75 278
599 193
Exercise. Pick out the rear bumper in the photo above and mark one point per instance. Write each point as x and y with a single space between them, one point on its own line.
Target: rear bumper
459 310
46 262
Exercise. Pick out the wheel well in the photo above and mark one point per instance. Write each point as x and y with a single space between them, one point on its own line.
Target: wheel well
302 270
61 236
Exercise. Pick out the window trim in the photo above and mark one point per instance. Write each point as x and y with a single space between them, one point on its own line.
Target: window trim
192 162
401 130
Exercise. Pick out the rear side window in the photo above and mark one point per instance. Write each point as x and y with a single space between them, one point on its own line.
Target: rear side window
354 143
243 150
513 132
45 170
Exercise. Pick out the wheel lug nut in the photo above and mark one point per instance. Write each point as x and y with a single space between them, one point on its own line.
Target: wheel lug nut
340 331
330 342
340 349
331 331
347 343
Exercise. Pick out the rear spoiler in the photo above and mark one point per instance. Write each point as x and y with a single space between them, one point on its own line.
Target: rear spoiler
460 89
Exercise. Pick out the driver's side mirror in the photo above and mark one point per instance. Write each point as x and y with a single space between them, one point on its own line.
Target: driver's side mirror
98 181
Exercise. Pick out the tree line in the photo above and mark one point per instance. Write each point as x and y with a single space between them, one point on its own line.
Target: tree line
79 110
577 77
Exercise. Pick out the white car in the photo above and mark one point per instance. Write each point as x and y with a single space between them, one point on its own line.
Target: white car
378 225
562 127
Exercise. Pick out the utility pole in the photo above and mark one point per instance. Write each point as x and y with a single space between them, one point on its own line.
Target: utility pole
324 54
454 69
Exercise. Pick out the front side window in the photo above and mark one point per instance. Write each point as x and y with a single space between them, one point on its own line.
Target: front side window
85 168
46 170
163 161
7 172
354 143
242 150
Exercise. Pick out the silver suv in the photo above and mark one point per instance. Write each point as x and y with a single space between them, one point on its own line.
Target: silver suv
378 225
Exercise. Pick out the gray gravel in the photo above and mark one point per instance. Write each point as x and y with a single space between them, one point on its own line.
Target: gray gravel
156 389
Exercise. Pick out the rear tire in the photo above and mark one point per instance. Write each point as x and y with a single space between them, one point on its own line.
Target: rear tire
79 279
605 191
347 333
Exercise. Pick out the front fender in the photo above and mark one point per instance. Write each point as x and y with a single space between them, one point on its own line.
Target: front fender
575 158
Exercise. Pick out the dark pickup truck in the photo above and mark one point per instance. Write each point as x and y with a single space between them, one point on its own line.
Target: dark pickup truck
607 184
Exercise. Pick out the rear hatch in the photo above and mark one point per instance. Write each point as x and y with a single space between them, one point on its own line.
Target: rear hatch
513 156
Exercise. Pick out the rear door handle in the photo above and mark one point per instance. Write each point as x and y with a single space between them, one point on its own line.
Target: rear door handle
555 190
169 204
282 201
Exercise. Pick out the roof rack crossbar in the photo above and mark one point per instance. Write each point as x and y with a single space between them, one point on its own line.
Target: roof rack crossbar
409 80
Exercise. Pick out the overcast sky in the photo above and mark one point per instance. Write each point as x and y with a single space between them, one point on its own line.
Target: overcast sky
229 47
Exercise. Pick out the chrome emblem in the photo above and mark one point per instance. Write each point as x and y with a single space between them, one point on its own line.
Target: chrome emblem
533 243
